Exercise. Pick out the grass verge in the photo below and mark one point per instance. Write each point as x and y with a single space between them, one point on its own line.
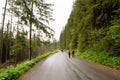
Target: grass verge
12 73
100 57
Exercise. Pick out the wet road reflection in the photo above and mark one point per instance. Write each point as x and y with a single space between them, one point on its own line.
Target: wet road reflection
60 67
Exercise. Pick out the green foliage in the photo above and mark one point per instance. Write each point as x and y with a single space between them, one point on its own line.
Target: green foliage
40 15
20 43
12 73
36 42
115 32
100 57
93 24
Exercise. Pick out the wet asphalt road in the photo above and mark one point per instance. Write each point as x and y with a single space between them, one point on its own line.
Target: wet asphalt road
60 67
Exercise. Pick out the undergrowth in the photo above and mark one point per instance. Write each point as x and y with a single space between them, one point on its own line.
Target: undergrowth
100 57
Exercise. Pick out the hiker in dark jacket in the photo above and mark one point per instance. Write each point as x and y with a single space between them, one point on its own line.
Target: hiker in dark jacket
69 53
73 52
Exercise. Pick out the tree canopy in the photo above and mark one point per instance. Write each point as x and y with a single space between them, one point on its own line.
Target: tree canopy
93 24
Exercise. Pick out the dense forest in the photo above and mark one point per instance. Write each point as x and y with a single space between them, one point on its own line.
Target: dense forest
93 25
26 34
92 30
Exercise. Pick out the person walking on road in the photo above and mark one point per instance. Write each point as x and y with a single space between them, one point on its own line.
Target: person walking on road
69 53
73 52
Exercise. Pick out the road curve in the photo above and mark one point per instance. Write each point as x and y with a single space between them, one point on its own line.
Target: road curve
60 67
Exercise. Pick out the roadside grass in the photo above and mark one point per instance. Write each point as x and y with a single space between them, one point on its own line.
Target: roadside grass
12 72
100 57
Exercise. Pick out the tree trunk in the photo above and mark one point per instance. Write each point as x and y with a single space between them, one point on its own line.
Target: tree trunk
7 42
30 50
4 14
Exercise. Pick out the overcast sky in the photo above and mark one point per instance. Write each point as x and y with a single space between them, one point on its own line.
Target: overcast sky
62 10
